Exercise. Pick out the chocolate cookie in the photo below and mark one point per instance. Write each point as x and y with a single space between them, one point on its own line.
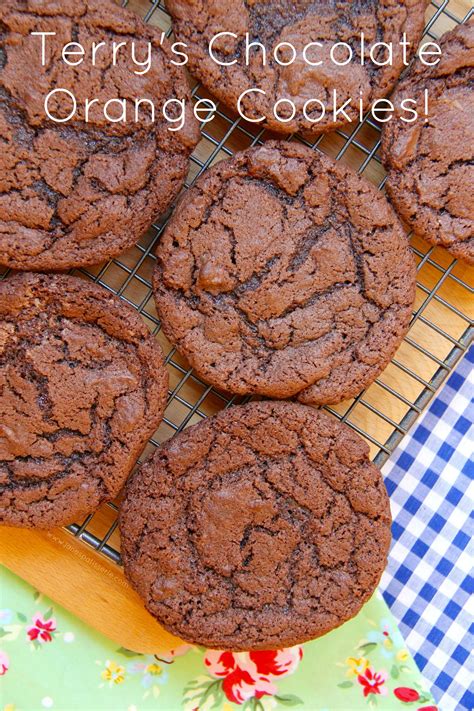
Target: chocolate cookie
430 162
82 191
297 24
260 528
82 386
282 271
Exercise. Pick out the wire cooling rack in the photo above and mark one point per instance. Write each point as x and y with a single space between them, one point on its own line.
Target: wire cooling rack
440 330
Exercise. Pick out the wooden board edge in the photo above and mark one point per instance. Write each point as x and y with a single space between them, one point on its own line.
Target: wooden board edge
86 584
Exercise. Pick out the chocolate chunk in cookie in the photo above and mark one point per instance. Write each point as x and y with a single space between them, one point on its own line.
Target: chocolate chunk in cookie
283 272
260 528
83 190
83 386
430 162
296 41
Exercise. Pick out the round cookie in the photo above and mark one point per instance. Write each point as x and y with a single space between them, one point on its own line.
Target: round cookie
77 193
283 272
299 23
83 386
259 528
430 162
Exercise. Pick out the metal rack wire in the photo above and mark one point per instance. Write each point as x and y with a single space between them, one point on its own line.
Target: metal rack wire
440 330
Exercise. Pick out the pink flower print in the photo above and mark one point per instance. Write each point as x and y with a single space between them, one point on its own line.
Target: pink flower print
248 675
41 630
220 664
239 686
373 682
179 651
278 662
4 663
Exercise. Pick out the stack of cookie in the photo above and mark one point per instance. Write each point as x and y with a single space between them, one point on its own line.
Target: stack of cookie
280 274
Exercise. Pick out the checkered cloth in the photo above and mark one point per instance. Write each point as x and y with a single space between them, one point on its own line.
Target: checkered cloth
428 582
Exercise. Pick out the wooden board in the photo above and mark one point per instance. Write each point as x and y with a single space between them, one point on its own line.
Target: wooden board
87 583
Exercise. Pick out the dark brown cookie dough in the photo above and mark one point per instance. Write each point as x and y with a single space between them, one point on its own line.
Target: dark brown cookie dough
82 386
282 270
430 162
196 22
77 193
260 528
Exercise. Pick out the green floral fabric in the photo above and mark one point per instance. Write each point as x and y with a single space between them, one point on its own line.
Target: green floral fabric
51 660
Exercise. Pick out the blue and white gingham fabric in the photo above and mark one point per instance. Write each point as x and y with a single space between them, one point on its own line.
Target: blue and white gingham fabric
428 583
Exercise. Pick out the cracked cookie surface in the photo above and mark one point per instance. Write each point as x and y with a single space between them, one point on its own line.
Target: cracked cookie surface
259 528
282 272
83 386
299 23
431 163
77 193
